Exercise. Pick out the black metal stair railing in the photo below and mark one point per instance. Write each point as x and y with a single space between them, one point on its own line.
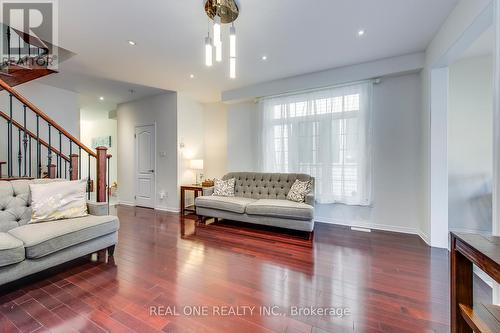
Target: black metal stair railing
44 148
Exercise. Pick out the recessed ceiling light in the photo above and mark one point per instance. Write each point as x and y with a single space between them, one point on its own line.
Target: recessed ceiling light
191 76
101 98
131 42
264 57
361 32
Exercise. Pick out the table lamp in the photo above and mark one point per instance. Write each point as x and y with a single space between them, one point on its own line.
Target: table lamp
197 165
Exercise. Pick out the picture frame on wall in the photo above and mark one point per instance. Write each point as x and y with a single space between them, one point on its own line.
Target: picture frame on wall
101 141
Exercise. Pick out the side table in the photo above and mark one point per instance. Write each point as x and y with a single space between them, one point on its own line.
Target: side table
197 189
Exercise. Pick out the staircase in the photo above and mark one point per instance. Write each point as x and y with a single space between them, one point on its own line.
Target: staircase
36 146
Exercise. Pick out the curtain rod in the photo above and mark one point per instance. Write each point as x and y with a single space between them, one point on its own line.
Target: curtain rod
295 92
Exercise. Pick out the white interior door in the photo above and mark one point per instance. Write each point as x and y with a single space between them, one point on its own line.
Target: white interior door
145 166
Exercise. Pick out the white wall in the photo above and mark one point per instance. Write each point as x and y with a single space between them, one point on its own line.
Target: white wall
161 110
470 144
452 29
396 143
215 137
242 137
97 124
190 134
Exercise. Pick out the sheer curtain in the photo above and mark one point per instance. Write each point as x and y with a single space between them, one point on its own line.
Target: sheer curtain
324 133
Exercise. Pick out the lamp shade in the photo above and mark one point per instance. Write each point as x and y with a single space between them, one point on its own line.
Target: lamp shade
196 164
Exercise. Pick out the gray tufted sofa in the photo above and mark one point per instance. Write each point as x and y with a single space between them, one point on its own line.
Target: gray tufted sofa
30 248
260 198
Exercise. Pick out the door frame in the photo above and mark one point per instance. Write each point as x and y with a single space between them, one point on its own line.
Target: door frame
136 162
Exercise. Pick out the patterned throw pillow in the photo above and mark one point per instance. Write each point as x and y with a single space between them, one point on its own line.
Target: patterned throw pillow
58 200
224 188
299 190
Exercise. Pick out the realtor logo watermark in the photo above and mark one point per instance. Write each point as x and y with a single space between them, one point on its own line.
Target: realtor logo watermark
29 32
247 310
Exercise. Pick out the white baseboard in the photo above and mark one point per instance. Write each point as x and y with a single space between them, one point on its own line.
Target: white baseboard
368 225
168 209
126 203
161 208
424 237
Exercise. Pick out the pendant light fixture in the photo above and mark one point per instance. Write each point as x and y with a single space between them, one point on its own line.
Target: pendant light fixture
221 12
232 52
217 39
208 51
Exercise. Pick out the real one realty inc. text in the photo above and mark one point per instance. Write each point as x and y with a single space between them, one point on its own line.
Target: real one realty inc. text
247 310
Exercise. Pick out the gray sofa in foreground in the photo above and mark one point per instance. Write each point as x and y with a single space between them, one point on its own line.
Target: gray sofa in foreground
30 248
260 198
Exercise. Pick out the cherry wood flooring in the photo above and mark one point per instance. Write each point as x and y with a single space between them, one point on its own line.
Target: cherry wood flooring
389 282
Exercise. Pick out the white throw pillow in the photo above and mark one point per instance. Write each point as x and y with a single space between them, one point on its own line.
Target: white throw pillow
224 188
58 200
299 190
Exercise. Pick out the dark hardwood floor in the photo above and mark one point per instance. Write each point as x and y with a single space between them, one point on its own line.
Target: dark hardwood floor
389 282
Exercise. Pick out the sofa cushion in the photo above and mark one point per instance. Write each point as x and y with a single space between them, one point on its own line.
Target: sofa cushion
15 202
281 208
41 239
58 200
230 204
11 250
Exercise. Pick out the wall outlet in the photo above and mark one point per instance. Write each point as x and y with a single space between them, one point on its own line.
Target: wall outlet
163 194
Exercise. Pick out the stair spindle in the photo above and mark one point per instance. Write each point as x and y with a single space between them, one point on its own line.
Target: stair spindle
19 47
79 162
59 157
88 178
49 151
19 153
38 149
9 139
108 187
8 45
71 165
65 169
25 143
29 154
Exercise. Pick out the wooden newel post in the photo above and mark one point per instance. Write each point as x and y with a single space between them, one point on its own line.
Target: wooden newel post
73 168
101 173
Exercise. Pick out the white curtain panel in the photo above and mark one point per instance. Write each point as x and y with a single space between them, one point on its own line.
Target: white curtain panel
324 133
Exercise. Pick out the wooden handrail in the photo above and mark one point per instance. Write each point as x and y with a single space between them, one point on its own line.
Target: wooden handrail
45 117
42 142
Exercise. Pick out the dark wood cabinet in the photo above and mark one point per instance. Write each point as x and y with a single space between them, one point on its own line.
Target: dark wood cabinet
468 250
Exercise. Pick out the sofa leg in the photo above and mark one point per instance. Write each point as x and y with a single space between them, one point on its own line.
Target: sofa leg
216 220
101 255
111 250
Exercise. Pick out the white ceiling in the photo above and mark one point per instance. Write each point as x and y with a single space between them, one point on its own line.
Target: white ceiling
297 36
91 88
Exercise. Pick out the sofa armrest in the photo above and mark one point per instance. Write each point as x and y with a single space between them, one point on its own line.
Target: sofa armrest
309 199
98 208
208 190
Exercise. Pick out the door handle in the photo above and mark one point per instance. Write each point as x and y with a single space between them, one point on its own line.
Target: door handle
151 170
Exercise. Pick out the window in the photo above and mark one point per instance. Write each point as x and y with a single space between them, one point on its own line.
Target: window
324 134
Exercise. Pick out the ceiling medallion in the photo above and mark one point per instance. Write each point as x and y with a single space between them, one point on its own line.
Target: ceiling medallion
221 12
